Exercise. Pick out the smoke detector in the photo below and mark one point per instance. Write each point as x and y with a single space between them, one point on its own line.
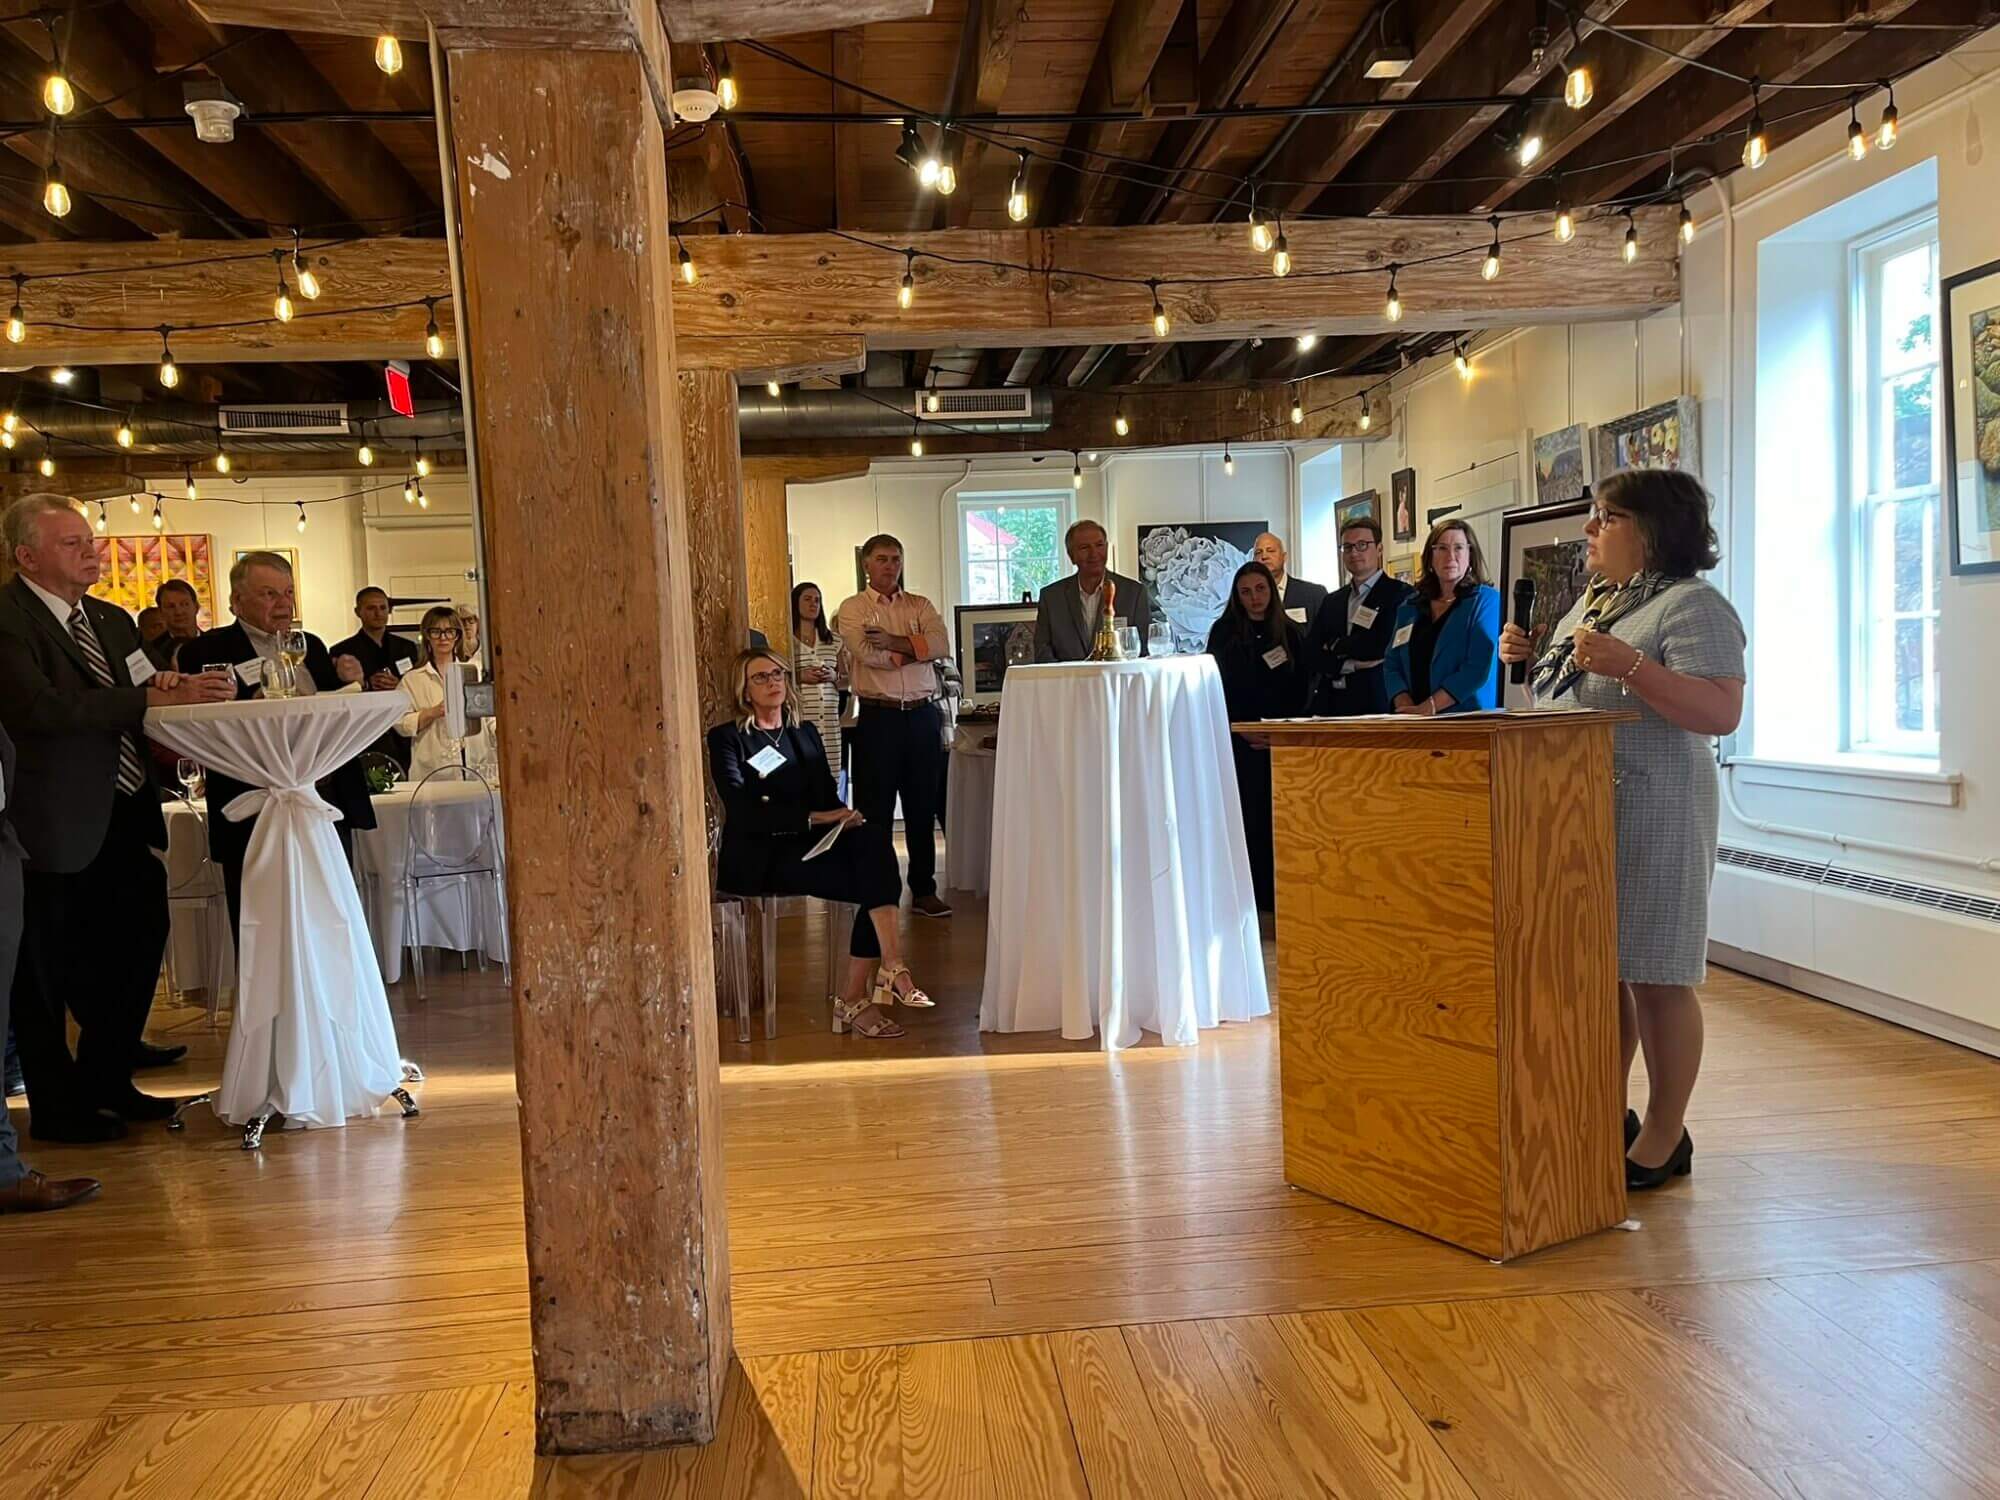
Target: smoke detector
694 101
215 111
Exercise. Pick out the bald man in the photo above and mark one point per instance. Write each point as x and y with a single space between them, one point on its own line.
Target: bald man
1301 600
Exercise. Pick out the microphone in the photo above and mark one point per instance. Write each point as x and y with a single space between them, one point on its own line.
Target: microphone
1524 615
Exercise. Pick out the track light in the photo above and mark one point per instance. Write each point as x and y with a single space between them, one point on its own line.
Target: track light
727 95
1393 308
170 373
1298 408
1885 133
907 292
1160 321
1228 459
910 150
123 436
1489 270
308 281
1687 225
1308 342
17 322
1076 471
1017 195
1755 148
302 517
1281 253
1119 424
433 340
687 266
1631 251
1260 229
388 54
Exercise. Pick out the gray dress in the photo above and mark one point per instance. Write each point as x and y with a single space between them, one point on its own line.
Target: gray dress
1667 798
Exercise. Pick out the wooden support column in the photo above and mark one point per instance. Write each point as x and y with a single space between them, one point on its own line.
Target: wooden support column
561 197
711 458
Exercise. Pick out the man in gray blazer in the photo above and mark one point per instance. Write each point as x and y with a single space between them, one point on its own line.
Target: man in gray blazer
22 1190
1067 612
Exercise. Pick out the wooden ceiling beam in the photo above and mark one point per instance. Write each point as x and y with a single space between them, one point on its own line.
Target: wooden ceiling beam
685 20
1025 364
928 208
726 20
993 26
786 360
849 56
1134 34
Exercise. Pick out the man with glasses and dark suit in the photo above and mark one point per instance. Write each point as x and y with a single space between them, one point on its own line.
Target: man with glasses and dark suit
94 894
1350 633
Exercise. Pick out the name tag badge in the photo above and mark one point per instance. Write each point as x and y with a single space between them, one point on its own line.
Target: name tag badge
1364 617
1275 657
767 760
251 672
402 665
1298 615
142 669
1403 635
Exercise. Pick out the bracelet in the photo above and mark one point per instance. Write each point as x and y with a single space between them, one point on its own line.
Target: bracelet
1625 677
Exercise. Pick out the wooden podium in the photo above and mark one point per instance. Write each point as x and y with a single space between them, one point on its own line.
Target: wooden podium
1448 972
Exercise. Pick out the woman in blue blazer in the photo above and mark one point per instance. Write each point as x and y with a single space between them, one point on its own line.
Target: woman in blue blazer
1444 657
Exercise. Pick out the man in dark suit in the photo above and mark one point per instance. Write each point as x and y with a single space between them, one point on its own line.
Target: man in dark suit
22 1190
1299 599
1351 632
264 600
384 657
1066 615
95 897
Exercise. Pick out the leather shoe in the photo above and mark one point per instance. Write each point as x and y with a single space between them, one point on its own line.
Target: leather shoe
930 906
86 1128
146 1055
35 1194
133 1104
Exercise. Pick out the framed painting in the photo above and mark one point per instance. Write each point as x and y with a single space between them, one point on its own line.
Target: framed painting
1545 543
1971 363
1403 505
130 570
1187 568
1562 464
1660 437
988 636
1366 504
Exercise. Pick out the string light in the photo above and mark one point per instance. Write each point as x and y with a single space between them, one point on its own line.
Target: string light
9 421
1281 253
58 98
772 388
47 466
1307 342
409 492
1565 224
1017 195
1367 416
302 517
135 504
1160 321
281 305
1228 459
7 438
1489 269
1530 150
727 95
1631 251
1120 424
1460 360
1687 224
947 173
1260 230
907 292
1076 470
62 374
170 373
423 500
193 493
687 263
1885 133
916 440
1578 86
1393 308
55 192
103 519
1298 408
124 434
17 322
308 281
365 455
388 54
159 516
221 461
433 340
423 467
1755 148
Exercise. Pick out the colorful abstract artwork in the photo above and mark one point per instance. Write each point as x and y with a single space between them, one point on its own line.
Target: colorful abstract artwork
132 568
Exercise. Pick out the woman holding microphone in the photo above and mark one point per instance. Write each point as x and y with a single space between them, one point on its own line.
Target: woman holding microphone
1650 637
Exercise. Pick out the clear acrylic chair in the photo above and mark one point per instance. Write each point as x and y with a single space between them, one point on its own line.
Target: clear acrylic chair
454 836
195 890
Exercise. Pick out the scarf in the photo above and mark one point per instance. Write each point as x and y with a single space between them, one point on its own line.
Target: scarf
1604 603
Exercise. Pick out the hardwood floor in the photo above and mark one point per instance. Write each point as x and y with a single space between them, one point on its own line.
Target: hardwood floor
986 1266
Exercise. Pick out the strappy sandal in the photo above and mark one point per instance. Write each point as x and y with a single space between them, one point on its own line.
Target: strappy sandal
886 993
863 1019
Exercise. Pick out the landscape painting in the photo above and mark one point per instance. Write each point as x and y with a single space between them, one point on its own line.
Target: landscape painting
1562 464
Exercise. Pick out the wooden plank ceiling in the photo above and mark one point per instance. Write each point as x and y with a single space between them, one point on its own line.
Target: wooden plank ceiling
136 171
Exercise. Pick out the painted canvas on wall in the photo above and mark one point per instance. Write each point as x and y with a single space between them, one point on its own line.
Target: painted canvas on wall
1562 464
1187 569
1403 505
1972 421
130 570
1660 437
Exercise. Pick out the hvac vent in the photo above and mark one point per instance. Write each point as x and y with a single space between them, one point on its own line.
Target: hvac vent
1002 403
324 420
1908 892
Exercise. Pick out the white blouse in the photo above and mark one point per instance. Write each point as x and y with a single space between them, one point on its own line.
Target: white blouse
431 746
819 702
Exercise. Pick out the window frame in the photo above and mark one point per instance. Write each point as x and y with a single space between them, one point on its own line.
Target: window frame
1061 501
1868 726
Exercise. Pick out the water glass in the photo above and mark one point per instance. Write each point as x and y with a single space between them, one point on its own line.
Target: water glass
1160 640
1128 642
277 679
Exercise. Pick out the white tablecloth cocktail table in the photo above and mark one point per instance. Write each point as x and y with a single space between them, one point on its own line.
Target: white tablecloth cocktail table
312 1038
1121 895
461 913
968 811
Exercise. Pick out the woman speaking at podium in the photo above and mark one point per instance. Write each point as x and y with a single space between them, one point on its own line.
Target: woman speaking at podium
1650 637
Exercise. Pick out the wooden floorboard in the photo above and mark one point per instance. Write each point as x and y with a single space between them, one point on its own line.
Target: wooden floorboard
1014 1266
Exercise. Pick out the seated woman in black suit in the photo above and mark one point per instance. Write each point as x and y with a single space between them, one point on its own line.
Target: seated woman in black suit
779 799
1260 655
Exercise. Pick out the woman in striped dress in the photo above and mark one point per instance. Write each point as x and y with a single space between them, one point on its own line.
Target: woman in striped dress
820 672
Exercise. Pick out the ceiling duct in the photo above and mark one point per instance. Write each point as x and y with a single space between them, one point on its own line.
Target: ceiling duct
187 428
960 406
871 412
322 419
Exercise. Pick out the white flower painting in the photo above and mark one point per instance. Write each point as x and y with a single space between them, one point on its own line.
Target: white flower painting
1187 569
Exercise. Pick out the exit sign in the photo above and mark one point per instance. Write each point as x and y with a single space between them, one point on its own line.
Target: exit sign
397 376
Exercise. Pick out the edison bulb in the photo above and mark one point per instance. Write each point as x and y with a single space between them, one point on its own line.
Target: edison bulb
47 466
1755 150
1160 323
1281 259
916 447
947 180
57 96
1565 225
1017 203
687 266
17 326
1578 87
221 463
1076 477
1228 462
308 283
62 375
7 440
434 343
1489 270
55 197
726 93
1687 226
1393 309
1531 149
423 500
170 373
1885 133
388 54
1298 412
365 456
409 493
1260 236
1308 342
302 522
1367 419
1120 425
927 173
1631 245
772 388
103 524
193 489
423 467
124 434
159 519
135 505
281 306
931 402
907 292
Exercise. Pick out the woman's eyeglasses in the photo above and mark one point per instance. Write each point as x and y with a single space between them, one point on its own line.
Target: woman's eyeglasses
444 635
1604 517
766 679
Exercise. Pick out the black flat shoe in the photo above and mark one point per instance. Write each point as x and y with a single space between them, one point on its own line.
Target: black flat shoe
149 1056
133 1105
1631 1127
1640 1179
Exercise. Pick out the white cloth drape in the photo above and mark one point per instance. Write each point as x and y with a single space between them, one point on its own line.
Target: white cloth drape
462 913
968 813
312 1037
202 950
1121 887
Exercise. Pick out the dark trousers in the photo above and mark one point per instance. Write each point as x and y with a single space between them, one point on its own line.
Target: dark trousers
232 875
860 868
10 947
898 753
1253 785
92 940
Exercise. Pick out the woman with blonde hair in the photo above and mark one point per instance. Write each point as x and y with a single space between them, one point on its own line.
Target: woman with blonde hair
441 638
779 799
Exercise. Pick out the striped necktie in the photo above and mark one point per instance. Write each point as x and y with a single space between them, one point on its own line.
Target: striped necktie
131 772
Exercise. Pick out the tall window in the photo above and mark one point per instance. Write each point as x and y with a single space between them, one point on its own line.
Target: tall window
1009 545
1897 548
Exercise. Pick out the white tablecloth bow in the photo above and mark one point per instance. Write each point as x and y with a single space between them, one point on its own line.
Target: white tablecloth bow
1121 895
312 1037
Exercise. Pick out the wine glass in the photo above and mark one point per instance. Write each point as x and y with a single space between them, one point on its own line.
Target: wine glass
1128 642
188 772
1159 639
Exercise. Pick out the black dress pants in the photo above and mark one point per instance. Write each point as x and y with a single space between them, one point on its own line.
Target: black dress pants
1253 785
900 753
860 868
92 941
